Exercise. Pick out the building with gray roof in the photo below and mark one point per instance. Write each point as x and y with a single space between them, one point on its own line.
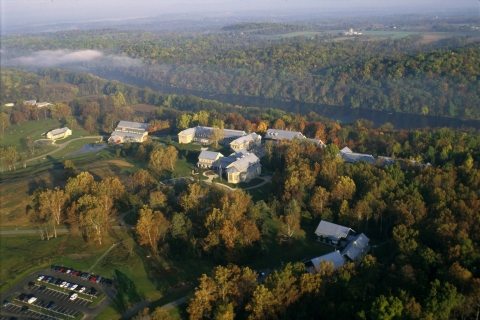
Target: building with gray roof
276 135
246 142
59 133
335 259
357 248
350 156
202 135
209 159
332 233
129 131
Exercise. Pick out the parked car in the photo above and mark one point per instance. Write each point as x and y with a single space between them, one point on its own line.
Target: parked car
61 270
47 279
92 291
64 283
93 279
40 278
51 305
42 288
68 271
32 300
75 273
73 296
58 282
23 310
53 268
6 303
74 286
98 280
82 289
21 296
51 280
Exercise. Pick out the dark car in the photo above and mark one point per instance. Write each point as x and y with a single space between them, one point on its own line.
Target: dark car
58 282
42 288
21 296
92 291
50 305
108 282
24 310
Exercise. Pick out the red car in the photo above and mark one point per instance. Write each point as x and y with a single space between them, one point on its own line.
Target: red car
75 273
61 269
93 279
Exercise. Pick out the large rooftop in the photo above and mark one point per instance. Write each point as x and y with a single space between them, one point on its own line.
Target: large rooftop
332 230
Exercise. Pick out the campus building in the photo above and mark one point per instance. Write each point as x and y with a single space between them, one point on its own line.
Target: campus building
129 131
59 133
203 135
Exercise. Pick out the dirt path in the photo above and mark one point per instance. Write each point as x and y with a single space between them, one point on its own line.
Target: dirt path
61 146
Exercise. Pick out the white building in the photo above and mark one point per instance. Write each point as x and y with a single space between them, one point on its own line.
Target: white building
129 131
30 102
350 156
276 135
59 133
208 159
332 233
202 135
244 168
246 142
43 104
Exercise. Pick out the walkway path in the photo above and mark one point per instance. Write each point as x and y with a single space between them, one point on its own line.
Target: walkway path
139 306
63 145
103 256
266 180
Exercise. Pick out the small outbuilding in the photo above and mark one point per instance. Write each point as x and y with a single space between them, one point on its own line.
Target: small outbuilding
59 133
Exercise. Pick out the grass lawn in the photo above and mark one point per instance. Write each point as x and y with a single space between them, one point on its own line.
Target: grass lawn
241 185
23 254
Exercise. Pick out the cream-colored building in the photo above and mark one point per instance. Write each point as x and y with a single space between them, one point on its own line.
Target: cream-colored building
208 159
129 131
59 133
244 169
246 142
202 135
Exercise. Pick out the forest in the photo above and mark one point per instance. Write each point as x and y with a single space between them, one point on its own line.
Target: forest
393 75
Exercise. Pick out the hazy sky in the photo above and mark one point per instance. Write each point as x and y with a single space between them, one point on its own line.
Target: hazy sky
44 12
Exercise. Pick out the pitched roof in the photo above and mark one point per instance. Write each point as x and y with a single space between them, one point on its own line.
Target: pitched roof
209 155
346 150
187 131
316 141
335 257
245 139
126 135
356 247
332 230
243 163
132 125
276 134
56 132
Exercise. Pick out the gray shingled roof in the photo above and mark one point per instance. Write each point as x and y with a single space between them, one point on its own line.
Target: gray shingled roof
276 134
335 257
132 125
245 139
243 163
129 135
209 155
58 131
356 247
332 230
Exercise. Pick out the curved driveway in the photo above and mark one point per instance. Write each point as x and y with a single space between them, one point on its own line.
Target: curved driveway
63 145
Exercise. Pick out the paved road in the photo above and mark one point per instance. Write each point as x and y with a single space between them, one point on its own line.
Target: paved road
90 313
61 146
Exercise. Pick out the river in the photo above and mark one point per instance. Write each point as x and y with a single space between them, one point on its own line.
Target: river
341 113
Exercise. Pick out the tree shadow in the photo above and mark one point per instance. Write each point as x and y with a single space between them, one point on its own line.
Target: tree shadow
127 292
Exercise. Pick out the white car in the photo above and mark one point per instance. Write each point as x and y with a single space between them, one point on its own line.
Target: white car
82 289
64 283
32 300
40 278
74 286
73 296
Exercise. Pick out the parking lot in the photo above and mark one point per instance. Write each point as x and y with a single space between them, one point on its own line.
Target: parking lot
31 314
53 300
